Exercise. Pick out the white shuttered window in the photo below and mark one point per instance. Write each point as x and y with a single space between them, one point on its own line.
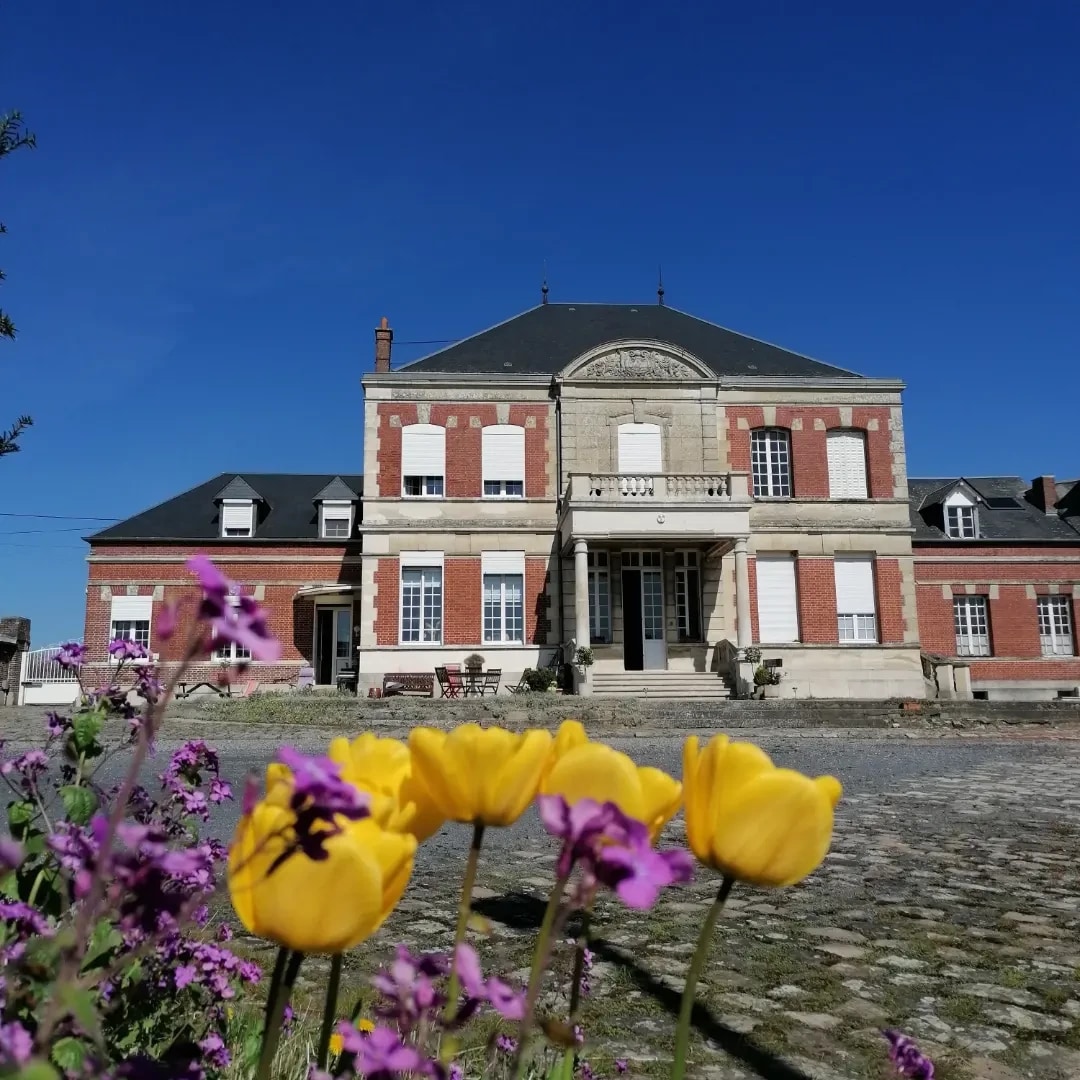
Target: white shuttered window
847 465
640 450
856 605
237 518
423 459
129 618
336 520
778 616
503 454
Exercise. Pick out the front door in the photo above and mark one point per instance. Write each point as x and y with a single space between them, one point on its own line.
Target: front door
644 643
333 643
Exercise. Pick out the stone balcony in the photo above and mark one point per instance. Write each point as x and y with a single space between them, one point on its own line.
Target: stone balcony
655 507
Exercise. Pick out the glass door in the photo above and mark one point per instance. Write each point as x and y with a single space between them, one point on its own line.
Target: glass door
652 612
333 644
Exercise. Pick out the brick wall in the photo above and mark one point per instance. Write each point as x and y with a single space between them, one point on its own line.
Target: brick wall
281 573
755 632
815 584
464 424
463 605
809 427
890 603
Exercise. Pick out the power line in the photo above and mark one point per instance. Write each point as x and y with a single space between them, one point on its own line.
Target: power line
59 517
27 532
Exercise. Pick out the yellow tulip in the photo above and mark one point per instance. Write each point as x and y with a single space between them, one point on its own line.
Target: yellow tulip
323 906
580 769
752 821
480 776
383 768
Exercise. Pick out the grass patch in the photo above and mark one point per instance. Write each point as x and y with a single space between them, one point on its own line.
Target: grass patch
962 1009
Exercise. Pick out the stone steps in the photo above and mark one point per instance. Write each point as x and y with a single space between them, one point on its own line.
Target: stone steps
661 684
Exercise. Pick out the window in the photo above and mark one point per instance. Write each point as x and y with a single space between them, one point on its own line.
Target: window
129 619
503 461
423 485
856 605
847 464
770 463
423 460
1055 626
640 449
237 517
421 601
599 598
688 596
778 615
336 520
503 574
960 522
972 626
229 650
504 609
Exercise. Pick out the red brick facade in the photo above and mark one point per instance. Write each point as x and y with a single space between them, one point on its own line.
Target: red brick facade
276 573
809 427
890 604
1012 579
815 585
464 424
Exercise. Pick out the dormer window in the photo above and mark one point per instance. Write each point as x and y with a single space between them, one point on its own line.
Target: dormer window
961 517
237 517
336 520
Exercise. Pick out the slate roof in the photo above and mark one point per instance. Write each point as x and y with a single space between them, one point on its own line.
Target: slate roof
543 340
1004 512
287 510
336 491
238 488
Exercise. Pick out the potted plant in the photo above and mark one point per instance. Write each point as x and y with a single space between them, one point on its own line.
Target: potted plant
767 681
584 658
539 680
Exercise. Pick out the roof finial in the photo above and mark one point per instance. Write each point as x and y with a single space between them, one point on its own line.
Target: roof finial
544 287
660 289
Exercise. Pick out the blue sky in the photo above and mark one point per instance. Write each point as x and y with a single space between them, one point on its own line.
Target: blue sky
226 197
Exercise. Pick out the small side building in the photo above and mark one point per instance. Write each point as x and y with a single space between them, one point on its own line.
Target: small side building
997 577
292 541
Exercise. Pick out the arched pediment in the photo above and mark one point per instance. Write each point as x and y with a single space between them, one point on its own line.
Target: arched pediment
637 360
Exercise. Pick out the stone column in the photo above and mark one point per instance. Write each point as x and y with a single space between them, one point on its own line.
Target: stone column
581 593
743 630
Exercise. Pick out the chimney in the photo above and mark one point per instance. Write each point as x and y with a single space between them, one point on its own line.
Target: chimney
384 337
1044 494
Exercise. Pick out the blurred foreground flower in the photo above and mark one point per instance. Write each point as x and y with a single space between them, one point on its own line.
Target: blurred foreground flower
752 821
909 1060
480 776
232 616
580 769
384 769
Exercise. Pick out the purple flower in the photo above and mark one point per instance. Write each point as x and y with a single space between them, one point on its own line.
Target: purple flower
147 684
456 1072
216 1054
581 827
506 1045
224 932
909 1060
381 1055
232 617
469 973
407 985
16 1045
637 873
168 619
11 855
71 655
620 1065
123 649
184 975
506 1001
56 725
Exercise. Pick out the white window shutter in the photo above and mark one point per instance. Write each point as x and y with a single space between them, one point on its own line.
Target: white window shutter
639 449
778 616
423 450
847 465
237 515
503 452
131 607
336 511
502 562
855 586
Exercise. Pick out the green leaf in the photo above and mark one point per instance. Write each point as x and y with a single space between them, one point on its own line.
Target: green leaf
82 1005
37 1070
80 803
85 728
20 816
69 1053
104 939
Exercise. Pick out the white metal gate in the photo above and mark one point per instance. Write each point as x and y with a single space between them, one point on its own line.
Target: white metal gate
42 681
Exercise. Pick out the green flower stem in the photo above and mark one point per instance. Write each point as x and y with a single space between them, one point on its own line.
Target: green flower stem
453 992
329 1009
569 1054
539 965
281 983
682 1033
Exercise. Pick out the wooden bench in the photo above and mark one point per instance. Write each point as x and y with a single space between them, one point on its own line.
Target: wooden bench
409 682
